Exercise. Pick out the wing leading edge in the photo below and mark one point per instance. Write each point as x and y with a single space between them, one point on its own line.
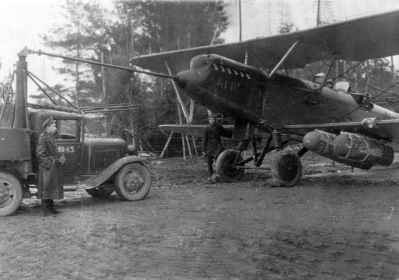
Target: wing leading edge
358 39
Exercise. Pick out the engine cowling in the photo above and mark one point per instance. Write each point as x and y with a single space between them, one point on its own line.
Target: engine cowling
349 148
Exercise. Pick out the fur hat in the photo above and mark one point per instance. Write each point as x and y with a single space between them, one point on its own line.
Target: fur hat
48 122
319 75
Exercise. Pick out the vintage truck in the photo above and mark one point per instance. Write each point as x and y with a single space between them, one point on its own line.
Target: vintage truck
99 165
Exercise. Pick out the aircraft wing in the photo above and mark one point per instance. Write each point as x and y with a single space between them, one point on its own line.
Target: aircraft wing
387 130
378 129
196 130
358 39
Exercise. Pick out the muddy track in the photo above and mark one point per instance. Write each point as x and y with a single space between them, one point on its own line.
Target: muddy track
335 225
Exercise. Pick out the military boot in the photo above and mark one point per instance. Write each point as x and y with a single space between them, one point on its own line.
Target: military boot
51 207
210 180
45 207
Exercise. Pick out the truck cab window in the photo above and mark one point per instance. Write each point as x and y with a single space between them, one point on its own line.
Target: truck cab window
67 129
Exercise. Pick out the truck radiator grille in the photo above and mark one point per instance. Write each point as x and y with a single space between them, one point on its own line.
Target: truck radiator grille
104 158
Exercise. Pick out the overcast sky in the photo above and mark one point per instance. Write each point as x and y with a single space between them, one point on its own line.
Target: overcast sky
22 22
262 17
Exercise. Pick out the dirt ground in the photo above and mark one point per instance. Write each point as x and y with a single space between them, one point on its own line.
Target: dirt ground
334 225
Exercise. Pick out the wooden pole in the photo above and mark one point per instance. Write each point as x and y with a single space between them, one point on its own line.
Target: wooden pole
191 114
77 67
318 19
188 146
240 21
190 120
104 93
188 115
166 145
367 77
180 100
269 18
195 146
182 136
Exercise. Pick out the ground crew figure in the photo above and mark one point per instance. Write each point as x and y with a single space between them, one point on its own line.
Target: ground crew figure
49 183
212 144
330 84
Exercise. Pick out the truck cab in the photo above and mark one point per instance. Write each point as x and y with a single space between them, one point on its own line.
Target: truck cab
85 156
100 165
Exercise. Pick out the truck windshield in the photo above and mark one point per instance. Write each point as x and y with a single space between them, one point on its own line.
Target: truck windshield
97 125
67 129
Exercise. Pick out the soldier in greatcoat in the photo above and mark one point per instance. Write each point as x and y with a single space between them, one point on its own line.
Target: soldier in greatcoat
49 183
212 144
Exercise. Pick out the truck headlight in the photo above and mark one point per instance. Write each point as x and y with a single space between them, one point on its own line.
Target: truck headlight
131 150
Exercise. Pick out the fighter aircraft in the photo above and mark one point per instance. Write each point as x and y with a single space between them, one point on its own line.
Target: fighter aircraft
241 80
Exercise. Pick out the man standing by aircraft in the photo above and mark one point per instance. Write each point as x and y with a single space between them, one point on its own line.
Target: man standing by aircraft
319 78
212 144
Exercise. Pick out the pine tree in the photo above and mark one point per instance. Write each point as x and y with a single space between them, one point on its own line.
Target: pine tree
136 28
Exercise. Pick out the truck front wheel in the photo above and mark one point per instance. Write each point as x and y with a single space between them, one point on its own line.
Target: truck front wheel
133 182
11 194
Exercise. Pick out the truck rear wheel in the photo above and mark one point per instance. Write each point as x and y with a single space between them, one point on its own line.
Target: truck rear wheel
11 194
133 182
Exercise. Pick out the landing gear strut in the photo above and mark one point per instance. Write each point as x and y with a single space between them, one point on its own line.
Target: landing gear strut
285 165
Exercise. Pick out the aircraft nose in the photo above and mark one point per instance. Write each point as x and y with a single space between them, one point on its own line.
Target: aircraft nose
186 80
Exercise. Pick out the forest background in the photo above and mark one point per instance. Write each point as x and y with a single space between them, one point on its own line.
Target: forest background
135 28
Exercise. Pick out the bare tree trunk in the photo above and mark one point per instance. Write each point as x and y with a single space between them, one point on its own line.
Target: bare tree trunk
77 68
104 94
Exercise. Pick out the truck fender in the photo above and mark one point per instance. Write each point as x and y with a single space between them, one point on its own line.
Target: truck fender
97 180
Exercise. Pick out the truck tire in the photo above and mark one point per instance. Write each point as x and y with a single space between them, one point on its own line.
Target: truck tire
101 191
133 182
225 168
286 168
11 193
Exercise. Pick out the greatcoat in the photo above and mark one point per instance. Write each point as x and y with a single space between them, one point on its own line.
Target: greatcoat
49 182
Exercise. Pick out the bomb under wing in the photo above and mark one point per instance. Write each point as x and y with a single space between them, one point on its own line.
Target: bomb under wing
349 148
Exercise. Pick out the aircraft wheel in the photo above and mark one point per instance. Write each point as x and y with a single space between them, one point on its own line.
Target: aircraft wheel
101 191
133 182
286 168
11 193
225 168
